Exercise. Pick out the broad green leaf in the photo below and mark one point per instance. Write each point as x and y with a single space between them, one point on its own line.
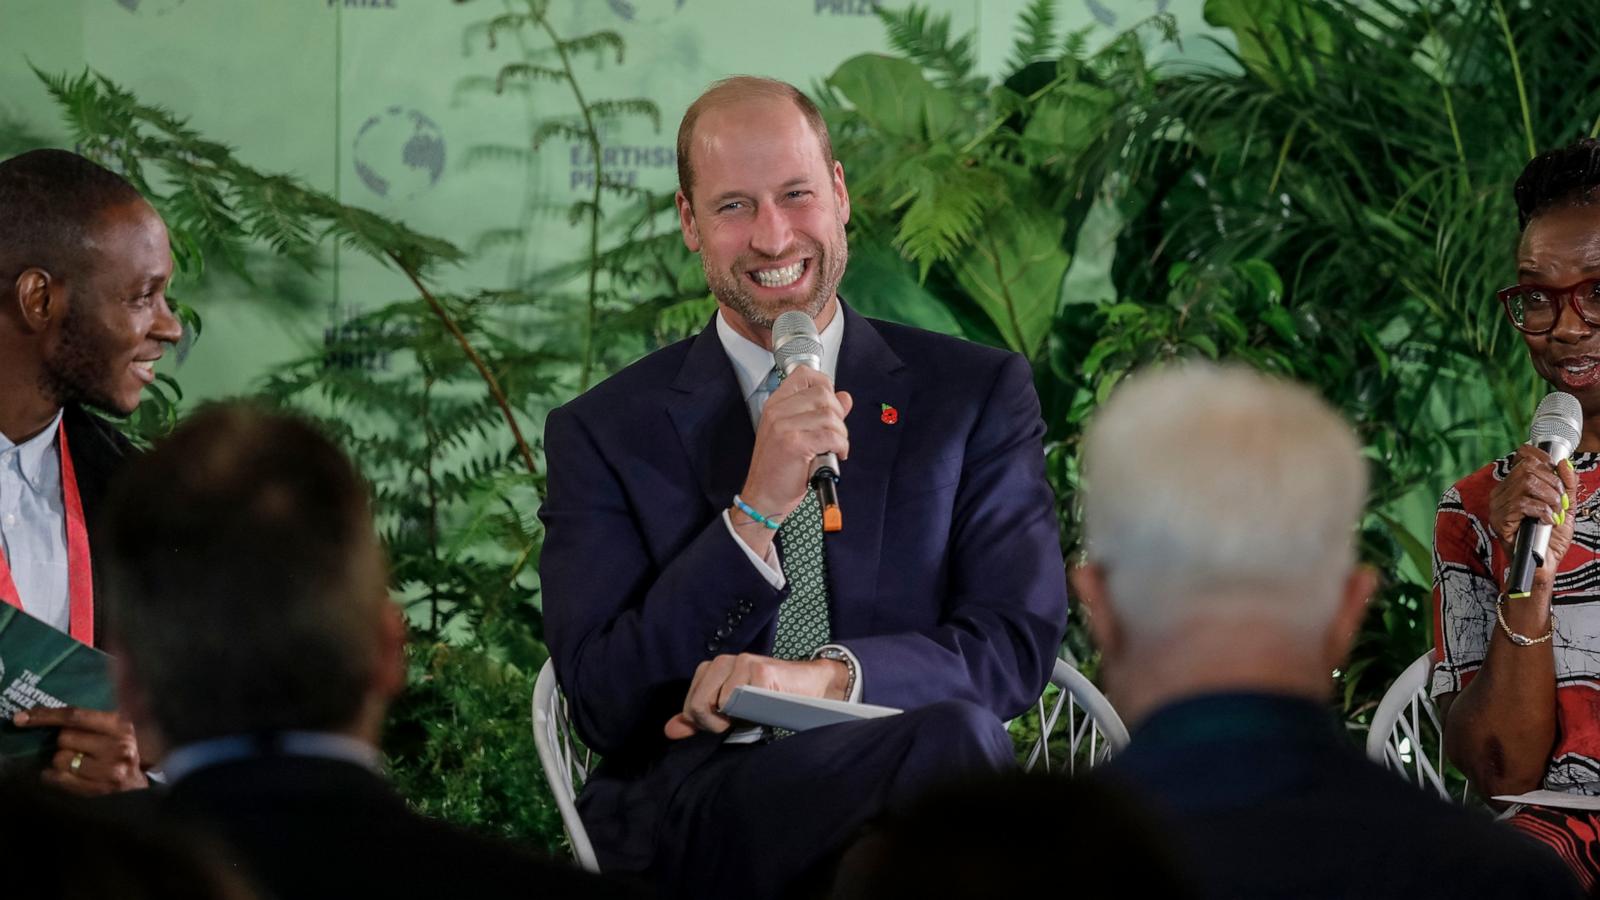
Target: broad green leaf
1014 270
892 95
1261 276
879 283
1070 119
1278 39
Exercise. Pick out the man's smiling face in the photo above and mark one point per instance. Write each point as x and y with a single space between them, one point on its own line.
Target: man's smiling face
117 320
768 211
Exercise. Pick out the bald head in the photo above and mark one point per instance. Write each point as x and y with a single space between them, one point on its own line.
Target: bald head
734 91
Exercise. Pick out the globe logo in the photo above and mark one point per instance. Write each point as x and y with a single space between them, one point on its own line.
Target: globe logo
1109 18
399 153
653 10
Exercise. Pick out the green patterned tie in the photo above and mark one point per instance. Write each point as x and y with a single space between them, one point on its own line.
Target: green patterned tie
803 616
803 624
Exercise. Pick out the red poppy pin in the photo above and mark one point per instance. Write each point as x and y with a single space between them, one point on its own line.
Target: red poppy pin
890 415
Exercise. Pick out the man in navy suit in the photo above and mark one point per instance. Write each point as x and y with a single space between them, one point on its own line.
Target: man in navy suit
684 555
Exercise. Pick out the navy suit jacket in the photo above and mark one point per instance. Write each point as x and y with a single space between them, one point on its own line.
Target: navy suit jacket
947 581
1266 796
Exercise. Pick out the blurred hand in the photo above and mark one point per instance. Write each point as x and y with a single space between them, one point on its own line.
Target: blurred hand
102 744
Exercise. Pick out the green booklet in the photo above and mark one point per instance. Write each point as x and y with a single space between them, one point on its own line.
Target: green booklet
40 666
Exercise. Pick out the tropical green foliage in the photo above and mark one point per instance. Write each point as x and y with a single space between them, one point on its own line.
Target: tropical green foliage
1318 208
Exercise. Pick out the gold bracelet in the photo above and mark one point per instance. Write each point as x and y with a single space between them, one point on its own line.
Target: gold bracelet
1521 640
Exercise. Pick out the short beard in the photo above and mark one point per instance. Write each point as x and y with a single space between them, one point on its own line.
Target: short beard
733 291
80 367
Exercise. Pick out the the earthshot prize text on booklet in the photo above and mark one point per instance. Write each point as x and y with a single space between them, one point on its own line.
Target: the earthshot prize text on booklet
40 666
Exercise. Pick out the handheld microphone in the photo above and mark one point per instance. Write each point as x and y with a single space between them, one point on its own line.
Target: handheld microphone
1557 423
795 343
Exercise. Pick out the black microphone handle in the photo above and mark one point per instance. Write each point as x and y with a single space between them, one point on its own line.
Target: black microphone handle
1525 558
1523 563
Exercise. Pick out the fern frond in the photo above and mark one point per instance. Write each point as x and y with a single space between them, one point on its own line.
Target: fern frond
526 73
925 39
632 106
1036 34
597 43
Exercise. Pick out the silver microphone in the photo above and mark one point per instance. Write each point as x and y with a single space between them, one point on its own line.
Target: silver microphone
795 343
1557 426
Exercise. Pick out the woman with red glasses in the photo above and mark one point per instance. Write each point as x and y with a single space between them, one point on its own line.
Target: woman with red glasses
1518 676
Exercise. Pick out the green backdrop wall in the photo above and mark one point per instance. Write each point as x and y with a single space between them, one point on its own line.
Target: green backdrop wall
382 102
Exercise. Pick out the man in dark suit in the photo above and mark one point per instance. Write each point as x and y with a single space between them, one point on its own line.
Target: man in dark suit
1222 593
257 652
84 266
685 555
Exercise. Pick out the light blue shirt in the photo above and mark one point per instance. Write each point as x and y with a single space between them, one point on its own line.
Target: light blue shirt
33 524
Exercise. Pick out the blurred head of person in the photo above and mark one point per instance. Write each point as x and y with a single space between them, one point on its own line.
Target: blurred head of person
1220 517
1012 835
249 592
84 267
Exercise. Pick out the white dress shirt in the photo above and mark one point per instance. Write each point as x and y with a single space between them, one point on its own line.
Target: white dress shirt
33 524
752 363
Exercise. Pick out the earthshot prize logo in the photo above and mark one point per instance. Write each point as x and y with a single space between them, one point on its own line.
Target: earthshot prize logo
844 7
158 7
644 12
399 153
1105 16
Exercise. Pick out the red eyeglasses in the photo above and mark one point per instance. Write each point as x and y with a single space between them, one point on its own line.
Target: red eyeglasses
1534 308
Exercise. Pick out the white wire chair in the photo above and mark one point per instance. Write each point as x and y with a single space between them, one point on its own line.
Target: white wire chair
1407 733
1091 728
1092 732
566 762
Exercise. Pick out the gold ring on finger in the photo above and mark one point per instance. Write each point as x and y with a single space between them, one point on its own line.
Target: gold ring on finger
77 762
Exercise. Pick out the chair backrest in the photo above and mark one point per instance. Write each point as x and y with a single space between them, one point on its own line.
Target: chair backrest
1407 733
1078 728
566 762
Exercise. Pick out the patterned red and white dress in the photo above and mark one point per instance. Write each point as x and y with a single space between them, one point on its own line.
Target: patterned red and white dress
1469 568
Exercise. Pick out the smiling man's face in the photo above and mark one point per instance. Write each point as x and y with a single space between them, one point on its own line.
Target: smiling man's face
768 211
117 321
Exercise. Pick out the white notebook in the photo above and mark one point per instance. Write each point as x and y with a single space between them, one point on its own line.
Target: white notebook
796 713
1558 799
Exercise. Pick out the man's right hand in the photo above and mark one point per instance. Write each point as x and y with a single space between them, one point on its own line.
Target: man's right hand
803 419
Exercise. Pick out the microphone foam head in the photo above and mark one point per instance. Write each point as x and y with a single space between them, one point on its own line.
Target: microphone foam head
1558 418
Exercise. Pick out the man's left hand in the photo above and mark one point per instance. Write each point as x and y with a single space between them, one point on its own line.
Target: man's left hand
715 679
96 752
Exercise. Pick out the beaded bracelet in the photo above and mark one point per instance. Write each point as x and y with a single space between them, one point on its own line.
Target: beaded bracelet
750 511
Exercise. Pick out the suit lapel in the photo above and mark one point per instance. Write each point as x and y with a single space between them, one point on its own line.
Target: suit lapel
874 376
712 420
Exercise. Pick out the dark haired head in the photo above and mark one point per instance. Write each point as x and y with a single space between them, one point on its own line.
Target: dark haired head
248 590
1558 178
49 202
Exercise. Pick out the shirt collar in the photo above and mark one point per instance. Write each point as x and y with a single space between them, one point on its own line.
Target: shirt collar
752 362
33 452
189 758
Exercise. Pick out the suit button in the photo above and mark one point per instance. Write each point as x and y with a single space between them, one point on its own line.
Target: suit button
734 618
724 631
713 646
745 607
